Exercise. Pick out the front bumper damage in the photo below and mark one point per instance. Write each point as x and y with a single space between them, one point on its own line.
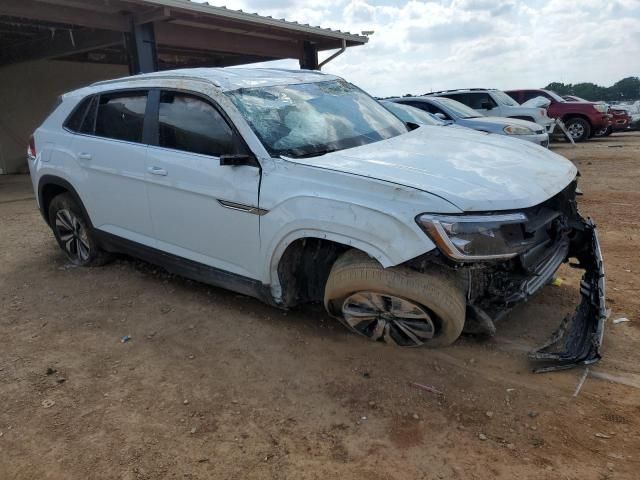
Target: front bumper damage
578 339
562 236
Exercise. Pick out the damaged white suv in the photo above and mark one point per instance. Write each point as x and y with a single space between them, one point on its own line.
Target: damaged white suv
295 186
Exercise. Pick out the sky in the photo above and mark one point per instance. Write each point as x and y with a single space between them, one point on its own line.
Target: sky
419 47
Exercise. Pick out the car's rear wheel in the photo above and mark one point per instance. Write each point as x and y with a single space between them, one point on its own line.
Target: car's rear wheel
578 128
73 233
396 305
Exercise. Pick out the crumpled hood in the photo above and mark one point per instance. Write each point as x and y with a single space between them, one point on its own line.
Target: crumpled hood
474 171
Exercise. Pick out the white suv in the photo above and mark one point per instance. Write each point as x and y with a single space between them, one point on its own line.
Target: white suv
295 186
496 103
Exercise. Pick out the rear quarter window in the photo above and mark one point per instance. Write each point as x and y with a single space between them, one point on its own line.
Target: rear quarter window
82 118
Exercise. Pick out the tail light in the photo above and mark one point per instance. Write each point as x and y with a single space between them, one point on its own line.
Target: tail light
31 148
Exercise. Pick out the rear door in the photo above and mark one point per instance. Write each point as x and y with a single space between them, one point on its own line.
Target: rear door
201 210
109 148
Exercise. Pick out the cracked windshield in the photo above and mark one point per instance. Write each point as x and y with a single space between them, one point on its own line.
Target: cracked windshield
311 119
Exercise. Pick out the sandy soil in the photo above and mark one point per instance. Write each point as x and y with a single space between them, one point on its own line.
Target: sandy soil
216 385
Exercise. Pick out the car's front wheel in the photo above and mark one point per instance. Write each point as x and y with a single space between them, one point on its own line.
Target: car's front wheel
73 233
395 305
578 128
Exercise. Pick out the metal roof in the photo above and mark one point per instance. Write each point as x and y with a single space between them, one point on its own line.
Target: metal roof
233 78
224 12
186 33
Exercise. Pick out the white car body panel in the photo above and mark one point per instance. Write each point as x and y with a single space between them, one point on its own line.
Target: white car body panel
375 216
188 219
466 170
367 197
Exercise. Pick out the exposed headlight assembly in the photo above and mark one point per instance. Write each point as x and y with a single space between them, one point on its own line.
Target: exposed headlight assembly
468 238
601 107
517 130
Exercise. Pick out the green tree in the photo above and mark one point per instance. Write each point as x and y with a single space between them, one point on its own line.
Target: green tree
626 89
559 88
589 91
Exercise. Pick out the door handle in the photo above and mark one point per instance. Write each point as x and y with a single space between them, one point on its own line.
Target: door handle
84 156
157 171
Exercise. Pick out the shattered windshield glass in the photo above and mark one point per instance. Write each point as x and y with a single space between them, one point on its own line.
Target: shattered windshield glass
310 119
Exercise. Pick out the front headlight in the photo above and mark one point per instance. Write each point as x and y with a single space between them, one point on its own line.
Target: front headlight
601 107
469 238
517 130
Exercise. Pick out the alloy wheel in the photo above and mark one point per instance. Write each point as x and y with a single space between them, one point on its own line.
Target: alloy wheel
395 320
576 130
72 235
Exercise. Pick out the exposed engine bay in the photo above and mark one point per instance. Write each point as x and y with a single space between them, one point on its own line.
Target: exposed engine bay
554 233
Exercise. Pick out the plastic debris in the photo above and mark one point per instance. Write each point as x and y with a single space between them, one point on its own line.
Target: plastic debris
556 282
602 435
125 339
621 320
581 382
46 403
426 388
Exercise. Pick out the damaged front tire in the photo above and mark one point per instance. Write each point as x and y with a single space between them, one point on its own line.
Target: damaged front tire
396 305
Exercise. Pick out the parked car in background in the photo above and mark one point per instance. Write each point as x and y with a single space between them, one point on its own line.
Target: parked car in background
620 117
409 114
582 119
297 187
458 113
620 120
496 103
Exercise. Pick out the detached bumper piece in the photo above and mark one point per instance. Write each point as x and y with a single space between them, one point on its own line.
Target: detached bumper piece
578 339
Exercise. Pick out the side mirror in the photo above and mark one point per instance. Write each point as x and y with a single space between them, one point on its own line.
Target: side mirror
441 116
238 159
486 106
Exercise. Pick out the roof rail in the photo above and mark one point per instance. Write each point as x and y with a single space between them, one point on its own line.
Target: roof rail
155 77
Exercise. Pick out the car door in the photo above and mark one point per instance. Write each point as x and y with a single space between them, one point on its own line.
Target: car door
109 148
201 210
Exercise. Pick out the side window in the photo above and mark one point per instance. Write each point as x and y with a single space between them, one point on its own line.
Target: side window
421 105
479 101
529 94
189 123
428 107
121 116
81 119
460 97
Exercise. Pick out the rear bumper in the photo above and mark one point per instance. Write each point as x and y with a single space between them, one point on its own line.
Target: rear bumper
578 339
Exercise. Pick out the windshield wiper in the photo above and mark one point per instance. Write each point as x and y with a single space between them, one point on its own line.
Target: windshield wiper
318 153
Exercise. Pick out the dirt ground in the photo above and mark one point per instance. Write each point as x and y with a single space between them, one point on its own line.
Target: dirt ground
216 385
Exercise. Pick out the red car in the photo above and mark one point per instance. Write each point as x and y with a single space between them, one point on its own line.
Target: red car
582 119
620 117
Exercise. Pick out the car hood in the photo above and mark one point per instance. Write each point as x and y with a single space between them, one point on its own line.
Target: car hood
474 171
500 122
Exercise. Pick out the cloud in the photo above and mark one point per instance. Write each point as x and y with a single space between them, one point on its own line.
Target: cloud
449 32
420 46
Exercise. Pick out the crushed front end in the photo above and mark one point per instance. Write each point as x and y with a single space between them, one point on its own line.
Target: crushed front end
503 259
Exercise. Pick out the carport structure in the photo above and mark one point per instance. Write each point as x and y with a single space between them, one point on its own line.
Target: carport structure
108 38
